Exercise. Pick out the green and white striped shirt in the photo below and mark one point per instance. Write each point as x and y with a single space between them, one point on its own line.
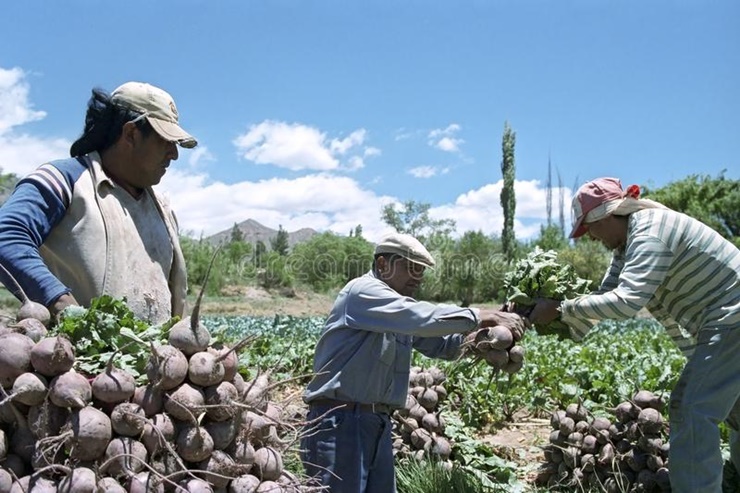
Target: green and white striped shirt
681 270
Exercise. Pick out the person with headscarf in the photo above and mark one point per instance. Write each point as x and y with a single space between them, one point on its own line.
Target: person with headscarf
688 277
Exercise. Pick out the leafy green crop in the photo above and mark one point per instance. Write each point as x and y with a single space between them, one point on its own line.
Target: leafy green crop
109 326
540 275
602 371
284 345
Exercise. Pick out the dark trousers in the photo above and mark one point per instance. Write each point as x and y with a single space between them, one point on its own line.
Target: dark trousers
349 451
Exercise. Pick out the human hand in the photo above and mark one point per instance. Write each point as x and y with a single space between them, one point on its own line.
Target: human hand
545 311
60 304
514 322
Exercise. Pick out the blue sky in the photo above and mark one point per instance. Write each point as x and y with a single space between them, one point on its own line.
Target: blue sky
317 113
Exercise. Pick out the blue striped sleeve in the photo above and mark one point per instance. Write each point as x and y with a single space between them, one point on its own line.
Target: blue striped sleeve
38 203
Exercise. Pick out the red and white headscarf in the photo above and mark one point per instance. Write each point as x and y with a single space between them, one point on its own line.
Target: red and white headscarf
603 197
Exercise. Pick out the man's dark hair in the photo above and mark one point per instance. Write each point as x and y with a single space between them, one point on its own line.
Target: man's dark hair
103 124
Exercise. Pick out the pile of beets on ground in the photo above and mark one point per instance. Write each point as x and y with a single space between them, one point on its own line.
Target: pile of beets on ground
193 425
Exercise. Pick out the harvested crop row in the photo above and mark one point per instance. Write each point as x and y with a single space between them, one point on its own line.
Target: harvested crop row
626 452
419 427
497 346
190 423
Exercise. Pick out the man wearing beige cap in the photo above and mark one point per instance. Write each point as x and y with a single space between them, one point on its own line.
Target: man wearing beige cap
362 365
688 276
90 225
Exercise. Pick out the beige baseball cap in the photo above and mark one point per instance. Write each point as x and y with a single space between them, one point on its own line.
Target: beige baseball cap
406 246
157 106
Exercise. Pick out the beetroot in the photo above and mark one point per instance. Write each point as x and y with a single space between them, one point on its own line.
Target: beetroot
70 389
53 356
114 385
194 444
185 402
150 398
29 308
29 389
204 369
128 419
124 456
15 357
158 431
91 432
189 335
167 367
268 464
79 480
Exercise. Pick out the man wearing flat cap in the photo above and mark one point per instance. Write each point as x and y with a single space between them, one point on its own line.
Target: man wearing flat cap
78 228
362 365
688 276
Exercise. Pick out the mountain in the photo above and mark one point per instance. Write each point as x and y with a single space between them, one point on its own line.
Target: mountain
254 232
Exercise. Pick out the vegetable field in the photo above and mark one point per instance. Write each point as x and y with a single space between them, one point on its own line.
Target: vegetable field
213 403
609 367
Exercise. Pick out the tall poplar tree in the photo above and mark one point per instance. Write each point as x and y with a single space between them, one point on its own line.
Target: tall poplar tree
562 204
508 198
279 243
549 191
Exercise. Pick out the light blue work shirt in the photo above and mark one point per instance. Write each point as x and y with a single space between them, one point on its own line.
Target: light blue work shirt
364 352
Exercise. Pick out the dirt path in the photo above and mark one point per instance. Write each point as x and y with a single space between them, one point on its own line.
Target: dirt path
521 442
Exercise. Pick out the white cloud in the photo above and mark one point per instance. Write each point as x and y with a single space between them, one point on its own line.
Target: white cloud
21 153
15 108
480 209
291 146
297 147
427 171
322 201
341 146
423 171
444 138
403 134
448 144
354 163
199 156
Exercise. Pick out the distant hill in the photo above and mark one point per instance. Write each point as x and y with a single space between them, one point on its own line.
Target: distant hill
254 232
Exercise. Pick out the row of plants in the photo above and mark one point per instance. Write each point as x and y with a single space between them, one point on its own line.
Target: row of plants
614 361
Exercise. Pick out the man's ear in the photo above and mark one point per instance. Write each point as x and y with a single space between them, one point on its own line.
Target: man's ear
382 264
129 133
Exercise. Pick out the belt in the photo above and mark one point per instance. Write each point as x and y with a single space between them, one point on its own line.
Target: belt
352 406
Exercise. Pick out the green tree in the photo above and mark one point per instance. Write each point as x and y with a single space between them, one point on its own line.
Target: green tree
471 268
197 254
508 197
589 258
328 261
240 268
236 234
279 243
276 272
551 238
7 183
561 204
413 218
713 201
259 252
